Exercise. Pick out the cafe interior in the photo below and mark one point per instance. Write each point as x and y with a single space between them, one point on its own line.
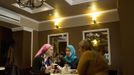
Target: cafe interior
28 24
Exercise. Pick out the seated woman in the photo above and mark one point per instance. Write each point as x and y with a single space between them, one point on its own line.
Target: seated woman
42 62
70 57
91 62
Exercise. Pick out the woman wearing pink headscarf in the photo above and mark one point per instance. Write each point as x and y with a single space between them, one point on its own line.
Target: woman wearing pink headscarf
42 62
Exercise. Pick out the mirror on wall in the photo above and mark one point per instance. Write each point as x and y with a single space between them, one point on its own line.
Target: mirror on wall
100 40
59 41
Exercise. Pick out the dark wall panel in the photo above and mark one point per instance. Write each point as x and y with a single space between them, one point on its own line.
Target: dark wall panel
22 48
5 42
126 12
26 49
18 37
35 42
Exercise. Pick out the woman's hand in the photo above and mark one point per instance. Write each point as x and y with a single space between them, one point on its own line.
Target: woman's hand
48 69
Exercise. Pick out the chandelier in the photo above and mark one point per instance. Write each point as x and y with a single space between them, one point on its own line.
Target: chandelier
30 3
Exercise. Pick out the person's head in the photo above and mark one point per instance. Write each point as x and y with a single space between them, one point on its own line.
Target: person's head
45 49
85 45
70 51
70 54
50 51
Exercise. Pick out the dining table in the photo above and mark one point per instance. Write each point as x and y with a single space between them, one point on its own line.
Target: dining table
69 72
62 74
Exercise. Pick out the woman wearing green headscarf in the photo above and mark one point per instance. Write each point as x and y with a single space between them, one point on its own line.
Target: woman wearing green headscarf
70 57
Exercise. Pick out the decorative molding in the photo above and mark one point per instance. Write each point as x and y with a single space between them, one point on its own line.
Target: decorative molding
9 16
9 13
31 48
81 20
75 2
83 15
27 29
47 22
12 17
17 29
70 17
22 28
29 19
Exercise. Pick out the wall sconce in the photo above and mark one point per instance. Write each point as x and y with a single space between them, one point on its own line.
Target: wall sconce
94 17
57 26
57 22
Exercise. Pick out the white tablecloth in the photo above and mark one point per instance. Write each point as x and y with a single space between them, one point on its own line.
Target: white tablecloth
62 74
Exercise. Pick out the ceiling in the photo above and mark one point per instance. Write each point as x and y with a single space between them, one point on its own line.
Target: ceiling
63 8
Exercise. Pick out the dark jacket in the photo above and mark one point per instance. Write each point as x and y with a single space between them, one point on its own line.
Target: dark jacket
92 63
73 64
37 64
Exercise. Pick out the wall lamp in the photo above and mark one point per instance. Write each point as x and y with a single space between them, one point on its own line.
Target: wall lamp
57 26
57 22
94 17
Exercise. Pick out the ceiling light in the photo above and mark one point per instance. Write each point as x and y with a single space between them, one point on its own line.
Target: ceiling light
30 3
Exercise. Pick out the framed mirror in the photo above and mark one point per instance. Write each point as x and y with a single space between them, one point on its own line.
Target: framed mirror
59 41
100 40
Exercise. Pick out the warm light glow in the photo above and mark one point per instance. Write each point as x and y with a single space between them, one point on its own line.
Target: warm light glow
57 19
94 16
95 42
57 22
94 12
56 14
93 7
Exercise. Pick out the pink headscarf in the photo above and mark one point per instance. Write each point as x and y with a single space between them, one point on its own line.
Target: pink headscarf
43 49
